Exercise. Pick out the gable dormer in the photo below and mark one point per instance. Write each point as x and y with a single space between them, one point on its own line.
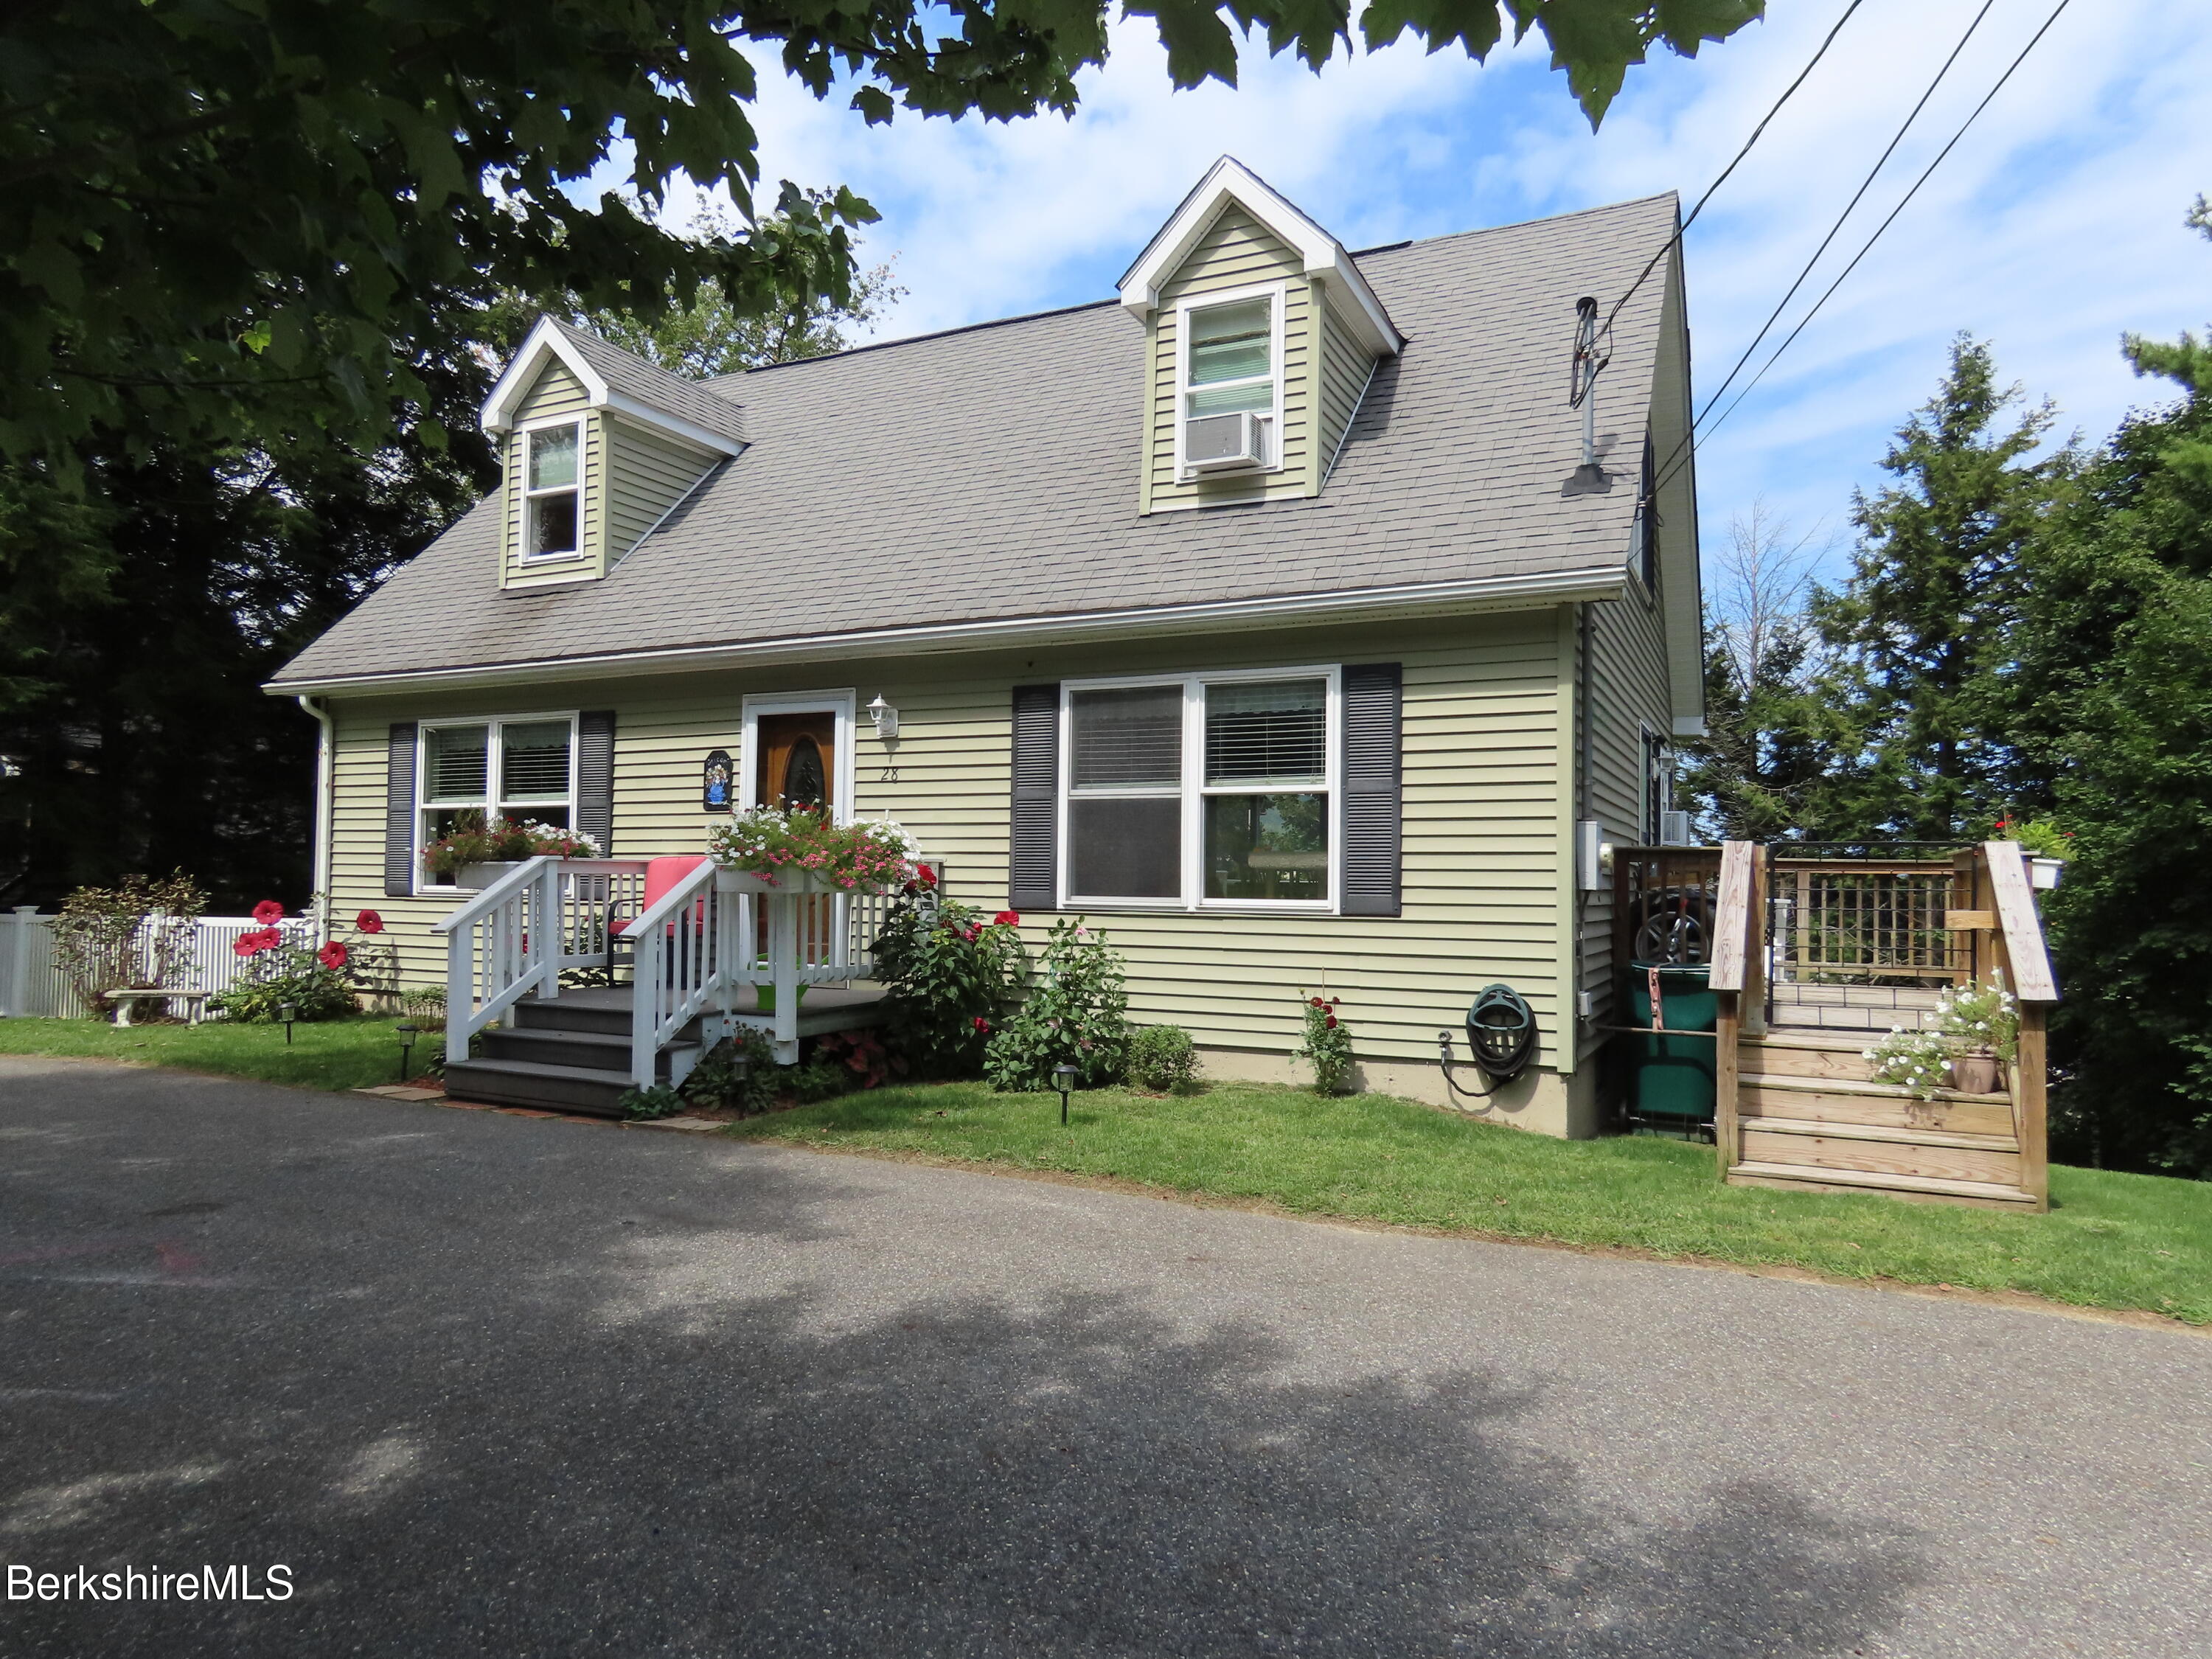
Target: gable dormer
596 446
1260 336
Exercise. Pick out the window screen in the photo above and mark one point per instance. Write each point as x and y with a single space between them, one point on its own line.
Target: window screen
1232 359
1125 818
1266 802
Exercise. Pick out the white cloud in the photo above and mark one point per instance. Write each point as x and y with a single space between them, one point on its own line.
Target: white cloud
2053 227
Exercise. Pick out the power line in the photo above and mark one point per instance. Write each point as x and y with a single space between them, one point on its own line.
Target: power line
1850 207
1885 223
1678 459
1786 92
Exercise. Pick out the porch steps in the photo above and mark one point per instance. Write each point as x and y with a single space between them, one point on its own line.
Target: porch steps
1811 1117
570 1054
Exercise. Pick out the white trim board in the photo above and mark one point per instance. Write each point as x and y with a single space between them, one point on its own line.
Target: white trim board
1323 257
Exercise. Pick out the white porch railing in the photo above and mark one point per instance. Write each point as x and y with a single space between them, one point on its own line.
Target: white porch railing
693 953
517 935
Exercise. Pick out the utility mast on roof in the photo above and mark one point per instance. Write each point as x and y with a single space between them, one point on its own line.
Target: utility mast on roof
1593 351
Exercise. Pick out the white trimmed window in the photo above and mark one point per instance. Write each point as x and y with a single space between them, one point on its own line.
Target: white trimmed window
1206 790
553 491
521 768
1231 364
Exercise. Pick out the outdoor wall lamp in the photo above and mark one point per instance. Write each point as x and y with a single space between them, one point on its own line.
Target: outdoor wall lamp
287 1011
406 1048
1063 1078
885 717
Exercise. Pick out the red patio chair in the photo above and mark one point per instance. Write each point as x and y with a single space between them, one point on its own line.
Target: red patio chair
660 875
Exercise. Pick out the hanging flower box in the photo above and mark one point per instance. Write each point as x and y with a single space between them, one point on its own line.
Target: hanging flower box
477 853
777 850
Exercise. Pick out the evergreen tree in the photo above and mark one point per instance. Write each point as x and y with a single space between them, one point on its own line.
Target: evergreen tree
1919 631
2108 706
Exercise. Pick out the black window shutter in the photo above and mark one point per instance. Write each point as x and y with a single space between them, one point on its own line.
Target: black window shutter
595 776
1373 788
1033 872
399 811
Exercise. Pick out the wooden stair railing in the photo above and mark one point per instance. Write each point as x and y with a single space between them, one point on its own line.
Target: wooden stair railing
1737 944
2021 953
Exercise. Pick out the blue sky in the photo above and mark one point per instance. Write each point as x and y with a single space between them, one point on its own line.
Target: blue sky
2054 227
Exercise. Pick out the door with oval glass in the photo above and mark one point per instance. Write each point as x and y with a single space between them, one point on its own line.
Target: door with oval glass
796 767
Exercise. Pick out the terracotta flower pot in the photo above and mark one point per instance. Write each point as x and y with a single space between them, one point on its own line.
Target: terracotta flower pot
1976 1074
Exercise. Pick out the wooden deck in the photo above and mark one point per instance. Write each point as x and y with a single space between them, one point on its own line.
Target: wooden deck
1796 1105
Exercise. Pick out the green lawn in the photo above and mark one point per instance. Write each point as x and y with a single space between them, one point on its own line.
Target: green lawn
336 1054
2111 1241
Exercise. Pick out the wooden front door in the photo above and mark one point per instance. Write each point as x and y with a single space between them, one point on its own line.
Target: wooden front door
798 767
797 763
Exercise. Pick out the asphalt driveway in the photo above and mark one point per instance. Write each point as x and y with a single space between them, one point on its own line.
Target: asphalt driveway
497 1385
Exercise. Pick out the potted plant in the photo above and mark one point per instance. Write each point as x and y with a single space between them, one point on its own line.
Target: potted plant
2046 846
773 849
478 851
1974 1037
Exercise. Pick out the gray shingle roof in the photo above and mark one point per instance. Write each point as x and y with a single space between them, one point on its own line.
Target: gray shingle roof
990 473
722 413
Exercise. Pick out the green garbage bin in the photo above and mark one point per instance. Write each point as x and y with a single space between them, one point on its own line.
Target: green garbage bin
1670 1077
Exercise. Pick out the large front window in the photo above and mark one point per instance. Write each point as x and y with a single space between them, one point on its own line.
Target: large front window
522 770
1208 789
553 497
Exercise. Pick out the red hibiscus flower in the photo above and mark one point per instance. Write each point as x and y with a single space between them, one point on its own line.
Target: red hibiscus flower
981 1024
268 911
369 922
245 944
1006 919
333 955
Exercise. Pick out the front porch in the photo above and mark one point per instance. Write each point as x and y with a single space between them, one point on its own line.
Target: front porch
572 1052
718 952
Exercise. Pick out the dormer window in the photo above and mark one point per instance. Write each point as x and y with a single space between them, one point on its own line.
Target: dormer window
1232 383
552 494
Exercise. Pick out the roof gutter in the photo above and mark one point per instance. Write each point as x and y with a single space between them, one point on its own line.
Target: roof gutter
1419 599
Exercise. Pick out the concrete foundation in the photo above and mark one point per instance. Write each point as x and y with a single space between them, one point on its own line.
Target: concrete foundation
1539 1099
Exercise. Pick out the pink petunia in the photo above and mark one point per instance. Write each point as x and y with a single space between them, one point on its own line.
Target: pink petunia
268 911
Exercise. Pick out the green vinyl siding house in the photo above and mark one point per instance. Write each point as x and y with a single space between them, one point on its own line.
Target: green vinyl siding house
1268 615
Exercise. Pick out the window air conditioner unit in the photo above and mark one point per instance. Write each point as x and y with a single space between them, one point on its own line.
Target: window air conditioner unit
1222 443
1674 830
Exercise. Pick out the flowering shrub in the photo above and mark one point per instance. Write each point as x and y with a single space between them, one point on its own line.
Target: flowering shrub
950 977
1975 1019
476 840
139 933
322 983
1077 1015
776 843
1327 1047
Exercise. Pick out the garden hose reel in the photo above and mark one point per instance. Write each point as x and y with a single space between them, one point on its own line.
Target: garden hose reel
1501 1034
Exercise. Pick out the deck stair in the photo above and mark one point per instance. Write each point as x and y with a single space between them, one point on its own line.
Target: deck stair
1796 1104
569 1055
1810 1116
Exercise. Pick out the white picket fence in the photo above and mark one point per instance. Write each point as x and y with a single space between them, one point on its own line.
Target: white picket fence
31 984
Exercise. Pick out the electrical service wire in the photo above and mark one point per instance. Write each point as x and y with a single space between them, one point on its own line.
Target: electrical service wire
1685 451
1674 241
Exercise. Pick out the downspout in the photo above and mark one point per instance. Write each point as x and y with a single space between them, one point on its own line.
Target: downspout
326 783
